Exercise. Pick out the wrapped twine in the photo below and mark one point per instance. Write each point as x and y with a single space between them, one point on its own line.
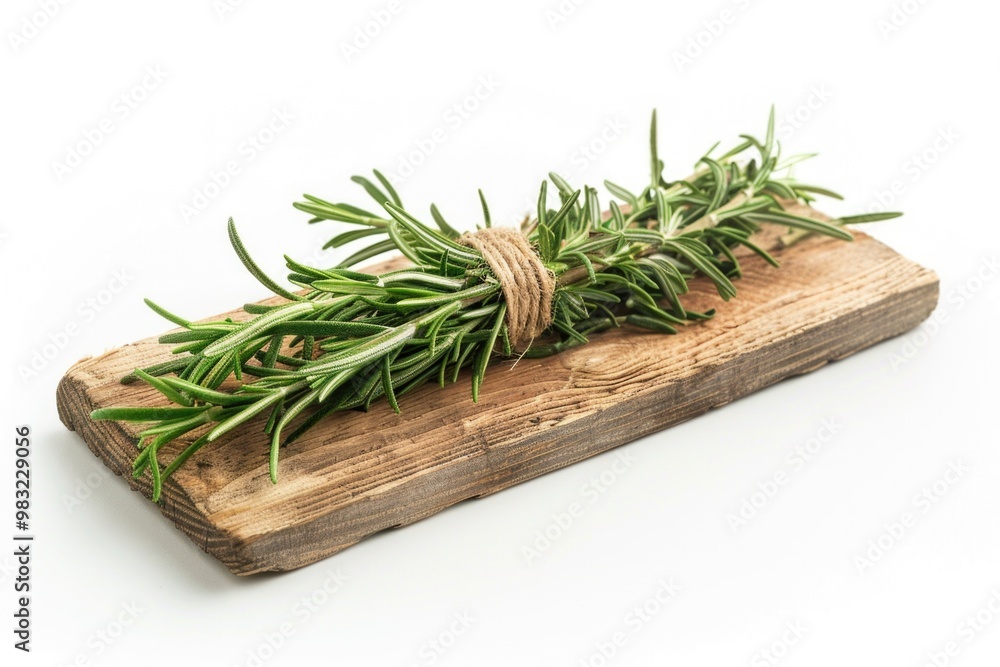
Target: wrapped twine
526 284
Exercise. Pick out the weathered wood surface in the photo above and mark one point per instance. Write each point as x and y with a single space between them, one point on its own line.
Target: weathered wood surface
360 473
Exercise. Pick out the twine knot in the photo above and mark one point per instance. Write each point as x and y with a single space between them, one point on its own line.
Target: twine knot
526 284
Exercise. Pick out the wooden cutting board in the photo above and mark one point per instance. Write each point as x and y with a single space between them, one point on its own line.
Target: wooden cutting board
360 473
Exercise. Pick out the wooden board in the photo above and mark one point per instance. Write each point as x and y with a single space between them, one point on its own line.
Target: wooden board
360 473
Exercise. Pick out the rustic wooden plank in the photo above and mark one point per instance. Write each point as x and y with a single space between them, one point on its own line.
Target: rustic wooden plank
360 473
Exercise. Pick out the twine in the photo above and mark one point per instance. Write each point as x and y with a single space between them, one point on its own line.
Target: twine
526 284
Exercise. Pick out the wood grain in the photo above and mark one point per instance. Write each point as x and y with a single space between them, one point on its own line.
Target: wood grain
360 473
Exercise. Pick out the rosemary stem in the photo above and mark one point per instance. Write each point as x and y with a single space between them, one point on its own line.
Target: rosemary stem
711 219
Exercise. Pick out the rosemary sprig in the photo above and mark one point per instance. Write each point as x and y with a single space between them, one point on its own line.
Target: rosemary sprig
349 338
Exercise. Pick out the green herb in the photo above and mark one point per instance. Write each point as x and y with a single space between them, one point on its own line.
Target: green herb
349 338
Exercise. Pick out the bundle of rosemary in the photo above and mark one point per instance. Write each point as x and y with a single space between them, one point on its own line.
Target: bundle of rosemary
350 338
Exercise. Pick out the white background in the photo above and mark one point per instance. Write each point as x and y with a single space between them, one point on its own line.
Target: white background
870 96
